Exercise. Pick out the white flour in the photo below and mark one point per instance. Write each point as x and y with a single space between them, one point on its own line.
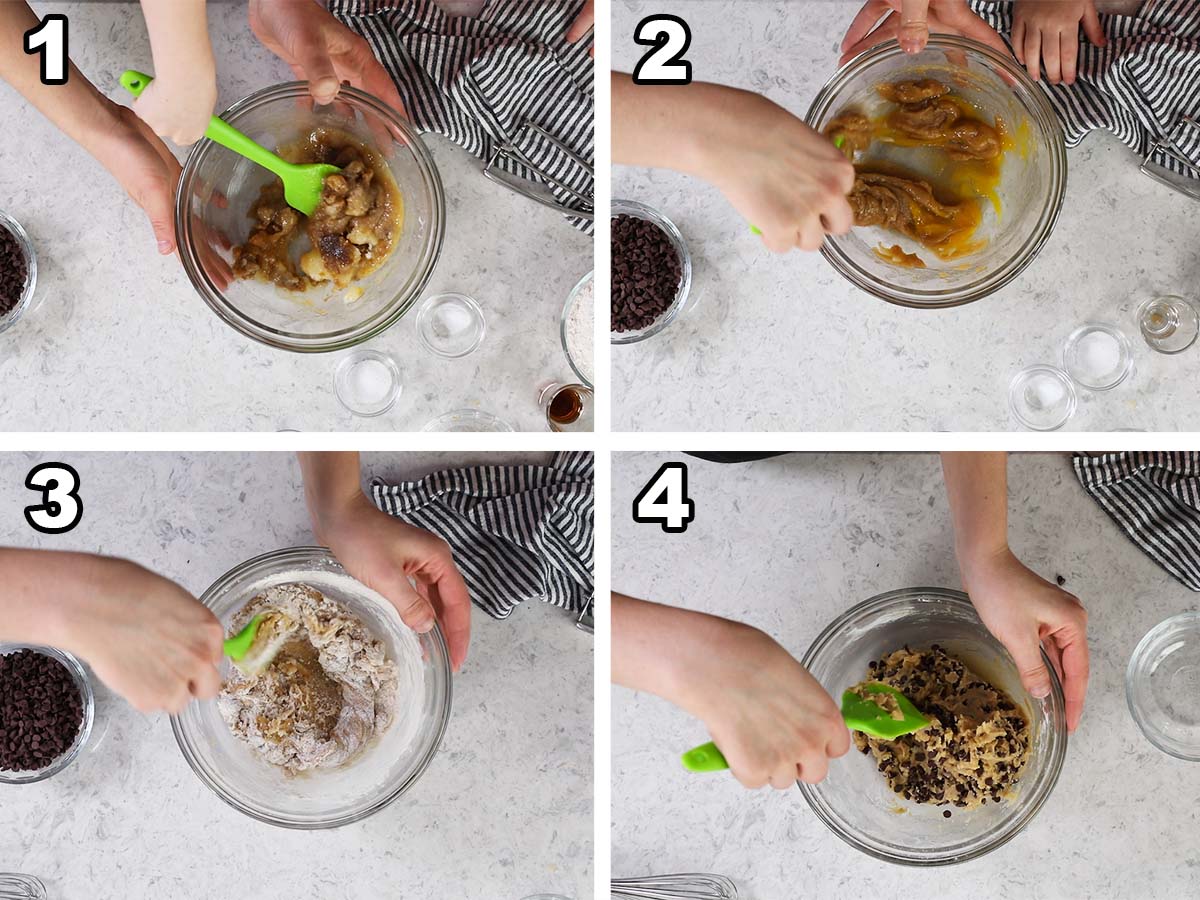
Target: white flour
580 334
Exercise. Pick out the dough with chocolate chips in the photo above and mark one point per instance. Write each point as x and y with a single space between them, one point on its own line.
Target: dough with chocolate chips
976 746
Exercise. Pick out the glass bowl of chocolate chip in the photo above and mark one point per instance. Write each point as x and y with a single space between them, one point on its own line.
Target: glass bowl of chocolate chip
961 170
47 709
977 774
651 272
18 271
337 277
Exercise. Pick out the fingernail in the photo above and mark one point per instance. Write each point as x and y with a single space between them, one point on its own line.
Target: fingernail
164 247
1040 690
424 627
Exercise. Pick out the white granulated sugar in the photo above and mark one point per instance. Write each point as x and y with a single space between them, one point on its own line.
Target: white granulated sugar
452 321
369 382
1099 353
580 335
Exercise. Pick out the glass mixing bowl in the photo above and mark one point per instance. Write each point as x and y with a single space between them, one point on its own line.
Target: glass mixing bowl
79 675
1162 686
321 798
1033 177
855 801
321 318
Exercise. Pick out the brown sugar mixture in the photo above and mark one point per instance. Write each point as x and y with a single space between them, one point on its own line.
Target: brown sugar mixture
975 748
944 216
349 234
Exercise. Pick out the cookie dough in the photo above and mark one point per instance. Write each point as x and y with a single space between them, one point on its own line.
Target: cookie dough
327 693
976 746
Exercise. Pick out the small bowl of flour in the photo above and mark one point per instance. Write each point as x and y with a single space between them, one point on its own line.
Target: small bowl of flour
577 332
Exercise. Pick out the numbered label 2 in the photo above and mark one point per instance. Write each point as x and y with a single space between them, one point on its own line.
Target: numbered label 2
670 37
61 507
664 500
49 39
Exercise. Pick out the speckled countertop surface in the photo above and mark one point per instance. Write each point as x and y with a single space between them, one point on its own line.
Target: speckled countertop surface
121 341
790 543
783 343
504 810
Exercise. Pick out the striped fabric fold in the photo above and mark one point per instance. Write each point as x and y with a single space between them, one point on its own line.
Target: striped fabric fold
1140 87
480 80
1154 497
518 532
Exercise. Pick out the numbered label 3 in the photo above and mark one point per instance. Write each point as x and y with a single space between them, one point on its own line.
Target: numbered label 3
61 507
670 37
664 500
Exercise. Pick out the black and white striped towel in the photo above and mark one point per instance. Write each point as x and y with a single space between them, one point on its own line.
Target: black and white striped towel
1140 87
518 532
1154 497
479 80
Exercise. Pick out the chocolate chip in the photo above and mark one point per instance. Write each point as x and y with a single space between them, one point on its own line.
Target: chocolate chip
14 271
946 814
1061 581
41 710
646 271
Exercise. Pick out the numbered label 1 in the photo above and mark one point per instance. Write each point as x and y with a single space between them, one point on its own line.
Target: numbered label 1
61 507
49 39
670 37
664 500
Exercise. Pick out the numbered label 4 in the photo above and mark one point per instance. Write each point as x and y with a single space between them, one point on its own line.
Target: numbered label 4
49 39
670 37
664 500
61 507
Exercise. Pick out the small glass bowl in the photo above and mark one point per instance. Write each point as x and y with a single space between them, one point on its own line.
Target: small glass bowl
855 800
83 682
467 420
451 342
1042 398
642 211
564 319
1033 178
218 186
350 391
323 798
1093 366
10 319
1162 686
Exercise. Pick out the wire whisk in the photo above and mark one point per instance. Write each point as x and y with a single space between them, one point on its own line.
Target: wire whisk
15 886
684 886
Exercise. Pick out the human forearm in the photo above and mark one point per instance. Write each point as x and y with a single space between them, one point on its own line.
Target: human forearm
662 126
178 31
332 484
977 488
39 589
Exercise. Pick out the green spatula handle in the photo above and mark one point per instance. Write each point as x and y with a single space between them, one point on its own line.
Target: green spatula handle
705 758
218 131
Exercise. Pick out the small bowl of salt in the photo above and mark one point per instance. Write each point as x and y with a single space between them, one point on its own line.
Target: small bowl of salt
577 331
367 382
1097 356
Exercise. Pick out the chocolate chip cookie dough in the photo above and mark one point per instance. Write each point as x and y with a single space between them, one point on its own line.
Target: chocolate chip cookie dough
976 746
329 690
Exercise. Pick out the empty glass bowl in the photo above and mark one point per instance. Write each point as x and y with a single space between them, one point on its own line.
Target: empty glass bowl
1042 398
1162 686
82 681
855 800
218 188
1032 182
9 319
642 211
321 798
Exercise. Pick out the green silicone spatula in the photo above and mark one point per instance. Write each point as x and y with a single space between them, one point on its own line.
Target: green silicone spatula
301 184
254 647
858 714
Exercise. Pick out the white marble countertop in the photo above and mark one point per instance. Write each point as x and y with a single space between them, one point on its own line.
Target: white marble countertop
121 341
790 543
504 810
783 343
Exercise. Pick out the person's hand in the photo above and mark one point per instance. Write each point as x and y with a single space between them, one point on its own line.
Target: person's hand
180 112
1049 29
384 553
145 636
583 23
782 176
767 715
321 50
910 22
1024 612
144 167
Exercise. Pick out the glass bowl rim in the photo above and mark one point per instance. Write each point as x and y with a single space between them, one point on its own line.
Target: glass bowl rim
344 338
1054 765
17 230
1143 646
83 681
323 555
468 412
562 324
621 207
1046 118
